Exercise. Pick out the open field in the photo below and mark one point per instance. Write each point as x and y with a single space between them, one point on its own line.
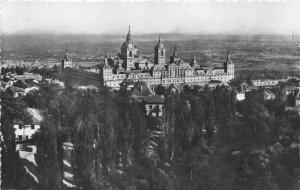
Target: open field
79 77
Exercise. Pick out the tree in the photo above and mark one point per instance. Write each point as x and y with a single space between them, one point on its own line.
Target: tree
160 90
252 151
46 156
19 70
139 125
13 109
84 153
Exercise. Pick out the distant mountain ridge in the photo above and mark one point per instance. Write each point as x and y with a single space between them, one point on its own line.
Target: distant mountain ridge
144 37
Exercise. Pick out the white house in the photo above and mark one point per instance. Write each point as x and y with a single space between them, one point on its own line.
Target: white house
24 131
16 91
154 105
240 96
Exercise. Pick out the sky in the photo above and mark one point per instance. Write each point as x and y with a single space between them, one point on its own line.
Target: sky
113 17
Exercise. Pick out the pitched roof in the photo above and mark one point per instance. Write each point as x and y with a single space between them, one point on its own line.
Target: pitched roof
185 66
288 86
16 89
154 99
159 68
250 88
37 118
21 84
141 89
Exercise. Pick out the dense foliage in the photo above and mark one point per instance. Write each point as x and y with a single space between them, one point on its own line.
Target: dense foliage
206 140
12 172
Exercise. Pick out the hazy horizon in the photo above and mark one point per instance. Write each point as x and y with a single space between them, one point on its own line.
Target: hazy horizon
155 34
113 18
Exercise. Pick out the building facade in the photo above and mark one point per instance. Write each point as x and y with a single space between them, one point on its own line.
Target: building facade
266 82
66 61
24 131
160 71
129 53
154 106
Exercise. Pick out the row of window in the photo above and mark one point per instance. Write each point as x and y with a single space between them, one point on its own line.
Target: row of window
196 79
31 126
155 106
220 77
19 137
118 76
173 81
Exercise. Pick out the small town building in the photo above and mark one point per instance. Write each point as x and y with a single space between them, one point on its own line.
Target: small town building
15 91
289 87
240 96
142 92
21 84
265 82
24 131
154 105
28 76
66 61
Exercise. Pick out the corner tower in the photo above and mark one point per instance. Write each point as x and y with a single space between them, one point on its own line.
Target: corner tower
174 58
66 61
228 65
159 53
194 60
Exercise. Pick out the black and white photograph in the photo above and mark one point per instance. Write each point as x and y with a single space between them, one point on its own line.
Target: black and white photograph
150 95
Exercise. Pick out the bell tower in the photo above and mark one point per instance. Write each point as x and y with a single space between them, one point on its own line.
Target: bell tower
159 53
194 60
174 58
228 65
66 61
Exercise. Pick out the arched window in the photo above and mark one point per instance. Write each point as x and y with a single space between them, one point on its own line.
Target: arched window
161 53
130 54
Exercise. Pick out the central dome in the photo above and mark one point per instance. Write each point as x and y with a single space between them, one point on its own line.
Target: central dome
128 44
160 45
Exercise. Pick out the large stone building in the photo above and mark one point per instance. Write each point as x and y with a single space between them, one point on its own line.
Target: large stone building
129 65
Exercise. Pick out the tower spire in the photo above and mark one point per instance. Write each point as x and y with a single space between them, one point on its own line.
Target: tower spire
227 55
128 35
158 37
175 54
194 61
105 59
66 55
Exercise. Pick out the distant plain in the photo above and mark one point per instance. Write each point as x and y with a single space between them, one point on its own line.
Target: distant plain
257 56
